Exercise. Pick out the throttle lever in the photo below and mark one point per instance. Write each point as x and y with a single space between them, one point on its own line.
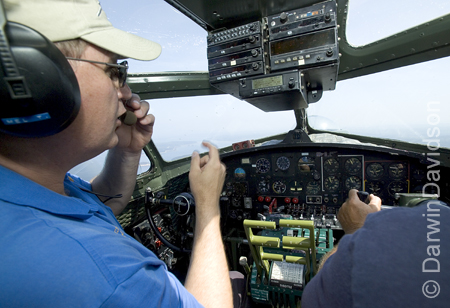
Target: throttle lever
364 197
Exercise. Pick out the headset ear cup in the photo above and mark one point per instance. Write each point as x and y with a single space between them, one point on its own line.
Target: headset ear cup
47 99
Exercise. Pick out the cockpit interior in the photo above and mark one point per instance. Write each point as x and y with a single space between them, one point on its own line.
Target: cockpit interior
283 192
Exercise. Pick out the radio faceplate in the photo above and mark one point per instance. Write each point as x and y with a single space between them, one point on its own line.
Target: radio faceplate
304 20
236 59
260 61
311 49
236 72
269 84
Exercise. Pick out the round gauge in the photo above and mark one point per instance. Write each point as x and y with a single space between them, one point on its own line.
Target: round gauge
353 182
331 183
374 187
263 165
375 171
283 163
313 188
305 164
236 201
233 214
279 187
397 170
263 187
239 189
352 165
295 187
396 187
239 173
331 165
316 175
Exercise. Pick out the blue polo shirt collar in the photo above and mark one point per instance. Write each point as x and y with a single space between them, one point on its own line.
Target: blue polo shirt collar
20 190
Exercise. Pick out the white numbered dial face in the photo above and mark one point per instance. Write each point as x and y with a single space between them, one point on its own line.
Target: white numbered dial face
283 163
279 187
263 165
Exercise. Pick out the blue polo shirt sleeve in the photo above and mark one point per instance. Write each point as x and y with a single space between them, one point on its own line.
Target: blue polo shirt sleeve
137 291
70 251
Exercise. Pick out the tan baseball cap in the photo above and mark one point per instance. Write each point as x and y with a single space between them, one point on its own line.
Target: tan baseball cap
61 20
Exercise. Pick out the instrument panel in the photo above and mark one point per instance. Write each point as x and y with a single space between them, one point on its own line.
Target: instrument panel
311 182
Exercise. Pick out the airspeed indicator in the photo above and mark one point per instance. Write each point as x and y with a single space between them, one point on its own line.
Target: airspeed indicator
263 165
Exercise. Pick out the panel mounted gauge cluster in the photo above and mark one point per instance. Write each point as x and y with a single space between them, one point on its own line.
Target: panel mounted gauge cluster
314 182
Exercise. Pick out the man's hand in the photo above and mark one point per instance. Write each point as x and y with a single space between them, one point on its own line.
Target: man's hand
208 278
206 178
119 172
353 212
133 138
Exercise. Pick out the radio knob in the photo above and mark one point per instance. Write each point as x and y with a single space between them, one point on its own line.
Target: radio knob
252 39
291 84
329 52
283 17
255 66
254 52
327 17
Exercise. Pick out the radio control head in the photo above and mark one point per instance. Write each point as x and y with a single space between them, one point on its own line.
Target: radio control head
283 17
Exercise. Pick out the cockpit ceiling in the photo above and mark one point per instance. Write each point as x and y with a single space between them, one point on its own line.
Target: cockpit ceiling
421 43
217 14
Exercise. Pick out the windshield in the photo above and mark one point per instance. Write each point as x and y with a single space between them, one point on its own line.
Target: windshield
396 104
369 21
399 104
183 123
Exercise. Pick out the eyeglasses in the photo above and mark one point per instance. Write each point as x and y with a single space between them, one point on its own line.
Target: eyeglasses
118 71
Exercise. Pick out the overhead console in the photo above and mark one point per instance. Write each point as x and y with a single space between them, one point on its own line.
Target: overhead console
281 62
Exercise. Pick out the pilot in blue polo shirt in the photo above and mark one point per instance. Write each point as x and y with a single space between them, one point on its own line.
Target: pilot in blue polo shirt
60 245
60 250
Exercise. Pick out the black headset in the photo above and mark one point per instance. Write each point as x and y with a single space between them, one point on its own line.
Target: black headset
39 93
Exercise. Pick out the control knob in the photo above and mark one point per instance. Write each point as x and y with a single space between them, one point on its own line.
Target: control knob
283 17
330 52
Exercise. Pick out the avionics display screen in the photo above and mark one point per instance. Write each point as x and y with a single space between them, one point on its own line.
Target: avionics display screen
247 54
303 42
267 82
227 45
227 71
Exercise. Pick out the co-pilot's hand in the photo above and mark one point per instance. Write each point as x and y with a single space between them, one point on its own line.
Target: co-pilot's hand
134 137
353 212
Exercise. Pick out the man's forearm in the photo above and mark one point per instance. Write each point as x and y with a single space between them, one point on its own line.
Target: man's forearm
117 177
208 277
326 256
